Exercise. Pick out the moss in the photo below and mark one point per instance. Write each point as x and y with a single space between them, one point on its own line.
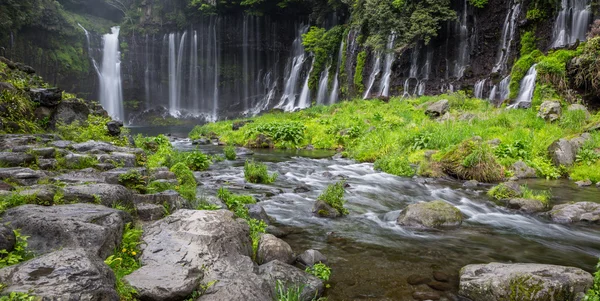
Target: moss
524 288
472 160
502 192
358 73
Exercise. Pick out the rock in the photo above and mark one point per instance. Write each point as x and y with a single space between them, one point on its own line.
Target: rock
94 228
426 296
112 176
7 238
7 87
561 152
277 231
214 242
46 97
311 257
527 205
67 274
105 194
44 194
572 213
438 108
43 115
584 183
323 209
441 276
242 151
238 124
25 68
119 159
576 107
69 111
550 110
149 212
261 141
510 189
417 279
578 142
93 146
5 186
169 198
312 287
470 184
301 189
440 286
23 176
8 159
61 143
434 214
163 174
272 248
164 282
44 152
523 171
201 141
256 211
114 127
87 176
523 281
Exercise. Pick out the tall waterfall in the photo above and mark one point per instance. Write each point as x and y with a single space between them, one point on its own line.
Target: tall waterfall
323 82
111 92
374 73
384 85
304 100
333 98
462 59
508 35
527 88
478 90
293 73
417 76
572 22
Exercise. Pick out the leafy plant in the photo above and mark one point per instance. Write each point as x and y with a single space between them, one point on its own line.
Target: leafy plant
197 161
186 181
288 134
256 172
334 197
587 156
133 179
18 296
125 260
515 150
18 254
542 196
478 3
320 270
229 152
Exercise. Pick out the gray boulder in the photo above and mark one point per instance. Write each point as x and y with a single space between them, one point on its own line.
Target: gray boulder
579 107
584 183
434 214
149 212
118 158
523 171
105 194
526 205
69 111
170 198
7 238
578 142
550 110
114 127
272 248
45 152
46 97
23 176
323 209
523 281
62 144
438 108
163 174
164 282
10 159
561 152
258 212
277 271
67 274
112 176
572 213
94 228
44 194
94 146
311 257
88 175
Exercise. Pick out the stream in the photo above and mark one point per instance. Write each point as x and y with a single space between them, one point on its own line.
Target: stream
371 257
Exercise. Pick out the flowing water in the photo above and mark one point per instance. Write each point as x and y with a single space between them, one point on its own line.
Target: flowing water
374 74
478 89
527 88
370 255
384 85
323 82
508 35
572 22
111 92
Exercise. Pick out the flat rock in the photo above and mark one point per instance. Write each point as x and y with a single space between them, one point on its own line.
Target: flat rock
118 158
526 205
170 198
417 279
66 274
584 183
578 212
164 282
438 108
149 212
523 281
23 176
61 144
105 194
88 175
44 194
434 214
94 228
10 159
523 171
272 248
93 146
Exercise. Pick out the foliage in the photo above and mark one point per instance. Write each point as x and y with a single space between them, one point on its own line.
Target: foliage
125 260
256 172
186 181
321 43
502 192
197 161
395 164
334 197
587 71
521 66
19 111
286 134
18 254
472 160
582 172
15 199
573 119
587 156
288 293
320 270
77 162
478 3
229 152
133 179
535 15
593 294
358 73
517 150
542 196
93 129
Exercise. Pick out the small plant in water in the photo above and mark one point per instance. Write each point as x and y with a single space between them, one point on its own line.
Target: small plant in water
334 197
320 270
256 172
229 152
198 161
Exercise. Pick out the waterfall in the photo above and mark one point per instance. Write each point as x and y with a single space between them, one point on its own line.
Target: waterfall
304 101
111 93
333 98
572 22
508 35
89 46
294 69
374 73
478 90
384 85
215 105
527 88
492 95
462 60
504 88
323 82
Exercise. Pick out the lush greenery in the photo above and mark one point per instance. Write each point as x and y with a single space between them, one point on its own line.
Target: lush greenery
323 45
320 270
593 293
256 172
18 254
288 292
125 260
229 152
93 129
358 73
334 197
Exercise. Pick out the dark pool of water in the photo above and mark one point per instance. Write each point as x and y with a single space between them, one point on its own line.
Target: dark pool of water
371 256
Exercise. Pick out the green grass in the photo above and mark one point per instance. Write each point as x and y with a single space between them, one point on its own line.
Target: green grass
543 196
186 181
229 152
334 197
285 292
93 129
256 172
125 260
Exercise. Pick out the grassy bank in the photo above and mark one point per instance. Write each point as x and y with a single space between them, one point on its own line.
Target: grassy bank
401 139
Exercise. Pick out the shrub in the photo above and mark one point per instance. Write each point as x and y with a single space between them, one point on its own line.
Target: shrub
478 3
334 197
133 179
186 180
256 172
18 254
540 195
320 270
15 199
472 160
125 260
288 134
197 161
229 152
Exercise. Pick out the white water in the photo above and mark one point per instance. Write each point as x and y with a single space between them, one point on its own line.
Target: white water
333 98
572 22
293 73
508 34
304 101
111 92
492 95
384 85
478 90
527 88
504 88
461 62
374 73
323 82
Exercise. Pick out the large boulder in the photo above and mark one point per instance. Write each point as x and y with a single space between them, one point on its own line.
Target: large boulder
523 171
23 176
550 110
578 142
579 107
11 159
164 282
434 214
523 281
276 272
69 111
105 194
526 205
94 147
311 257
67 274
272 248
572 213
46 97
191 241
114 127
169 198
561 152
94 228
323 209
438 108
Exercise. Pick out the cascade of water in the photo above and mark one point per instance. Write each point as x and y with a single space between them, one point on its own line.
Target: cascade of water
304 101
323 82
462 59
245 50
374 73
193 87
336 84
572 22
111 93
492 95
294 69
527 88
478 90
508 35
89 46
215 105
384 85
147 74
172 76
504 88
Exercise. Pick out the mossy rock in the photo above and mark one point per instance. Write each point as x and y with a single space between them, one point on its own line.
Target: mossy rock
472 160
435 214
